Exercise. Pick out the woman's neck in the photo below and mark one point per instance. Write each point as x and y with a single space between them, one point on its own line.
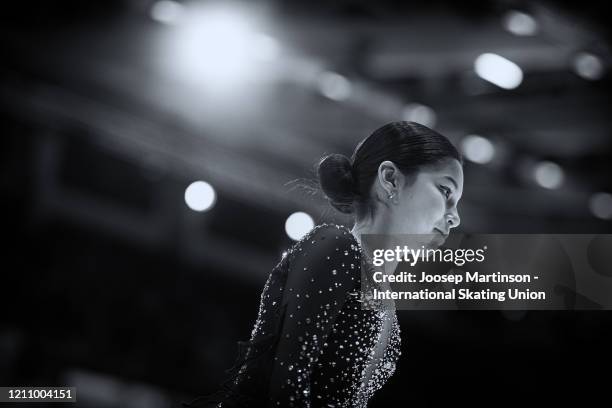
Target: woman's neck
382 242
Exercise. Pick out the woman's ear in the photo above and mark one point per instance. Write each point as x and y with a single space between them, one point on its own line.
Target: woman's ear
389 177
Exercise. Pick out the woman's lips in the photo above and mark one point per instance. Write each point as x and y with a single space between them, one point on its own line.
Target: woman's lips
440 237
444 234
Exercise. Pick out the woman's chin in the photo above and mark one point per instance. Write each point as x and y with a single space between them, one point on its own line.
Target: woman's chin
436 242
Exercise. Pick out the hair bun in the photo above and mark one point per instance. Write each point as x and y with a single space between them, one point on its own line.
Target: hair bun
335 173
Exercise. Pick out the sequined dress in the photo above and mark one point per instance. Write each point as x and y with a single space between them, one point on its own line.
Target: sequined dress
313 344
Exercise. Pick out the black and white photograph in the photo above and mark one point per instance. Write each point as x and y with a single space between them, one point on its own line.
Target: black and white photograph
344 203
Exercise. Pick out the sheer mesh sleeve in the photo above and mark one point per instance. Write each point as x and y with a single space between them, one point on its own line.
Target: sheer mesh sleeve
322 273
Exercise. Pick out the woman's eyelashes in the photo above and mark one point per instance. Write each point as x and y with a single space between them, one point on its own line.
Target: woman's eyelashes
445 191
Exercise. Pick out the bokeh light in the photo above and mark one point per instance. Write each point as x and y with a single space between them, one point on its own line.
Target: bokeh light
519 23
416 112
167 11
600 205
334 86
298 224
200 196
588 66
477 149
548 174
498 70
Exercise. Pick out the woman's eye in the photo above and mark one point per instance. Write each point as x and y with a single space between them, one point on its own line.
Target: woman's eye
446 191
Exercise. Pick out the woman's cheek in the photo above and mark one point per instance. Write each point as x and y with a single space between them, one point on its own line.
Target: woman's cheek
436 204
427 213
437 210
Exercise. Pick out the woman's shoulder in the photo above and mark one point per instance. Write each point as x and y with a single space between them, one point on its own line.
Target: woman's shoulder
330 228
326 240
337 234
328 256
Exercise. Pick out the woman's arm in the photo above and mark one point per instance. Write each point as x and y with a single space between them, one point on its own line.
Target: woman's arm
319 277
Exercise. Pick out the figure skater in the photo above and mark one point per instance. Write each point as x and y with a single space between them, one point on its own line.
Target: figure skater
313 344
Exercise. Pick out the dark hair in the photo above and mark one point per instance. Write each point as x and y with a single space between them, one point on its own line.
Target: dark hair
411 146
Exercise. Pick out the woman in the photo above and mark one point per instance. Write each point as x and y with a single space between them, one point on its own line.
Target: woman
313 345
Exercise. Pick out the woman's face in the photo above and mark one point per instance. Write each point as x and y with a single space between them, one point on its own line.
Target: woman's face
428 205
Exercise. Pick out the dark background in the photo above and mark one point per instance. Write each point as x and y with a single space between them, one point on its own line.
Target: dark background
110 283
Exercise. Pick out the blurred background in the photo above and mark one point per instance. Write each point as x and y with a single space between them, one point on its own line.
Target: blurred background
146 169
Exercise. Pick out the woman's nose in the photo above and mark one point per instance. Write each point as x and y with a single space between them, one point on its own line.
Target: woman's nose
452 218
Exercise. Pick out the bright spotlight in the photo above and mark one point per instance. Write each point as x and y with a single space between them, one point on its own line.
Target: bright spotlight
166 11
548 175
265 47
298 224
200 196
588 66
519 23
600 205
334 86
415 112
218 46
477 149
498 70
